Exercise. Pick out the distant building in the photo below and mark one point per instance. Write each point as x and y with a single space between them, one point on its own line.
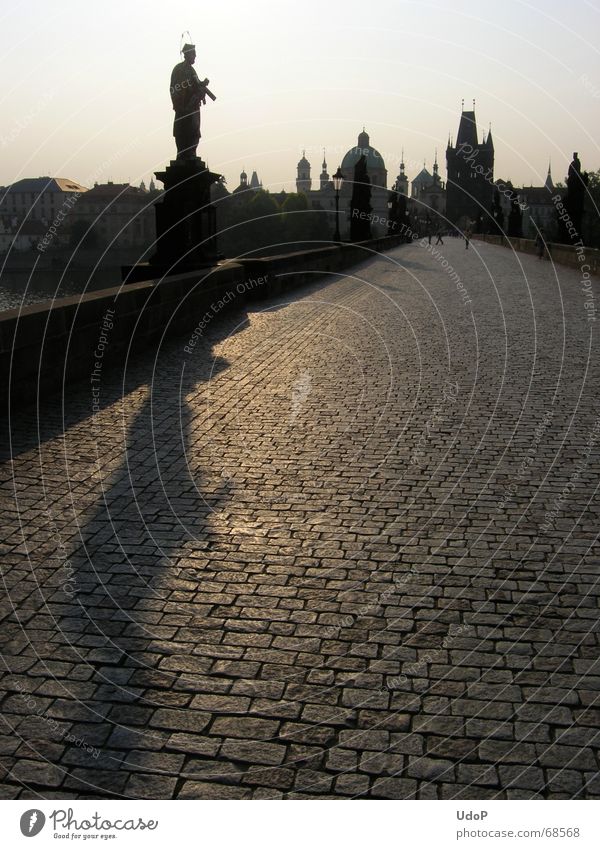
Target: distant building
401 184
539 211
243 184
40 198
375 164
428 196
419 182
323 197
470 183
242 191
303 181
122 216
21 237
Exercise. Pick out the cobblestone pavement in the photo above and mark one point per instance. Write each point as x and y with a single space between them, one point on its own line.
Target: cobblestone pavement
347 548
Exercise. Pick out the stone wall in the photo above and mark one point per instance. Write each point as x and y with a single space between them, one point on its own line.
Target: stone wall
45 347
562 254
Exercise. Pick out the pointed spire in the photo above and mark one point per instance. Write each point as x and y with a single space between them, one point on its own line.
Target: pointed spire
324 176
549 184
402 162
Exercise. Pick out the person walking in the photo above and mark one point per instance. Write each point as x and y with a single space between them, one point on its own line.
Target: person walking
439 240
468 234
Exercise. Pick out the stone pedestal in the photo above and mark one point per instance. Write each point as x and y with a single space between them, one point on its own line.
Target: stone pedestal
186 227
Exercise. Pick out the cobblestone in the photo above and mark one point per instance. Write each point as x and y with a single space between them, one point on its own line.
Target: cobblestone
346 549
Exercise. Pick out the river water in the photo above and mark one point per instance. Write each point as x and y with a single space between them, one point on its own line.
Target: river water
26 286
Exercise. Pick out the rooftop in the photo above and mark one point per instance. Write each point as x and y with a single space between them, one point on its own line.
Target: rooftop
37 185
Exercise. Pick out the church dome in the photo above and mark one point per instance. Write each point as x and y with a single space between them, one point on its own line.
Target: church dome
363 146
375 164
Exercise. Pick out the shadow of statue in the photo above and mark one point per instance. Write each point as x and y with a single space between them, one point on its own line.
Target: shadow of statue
141 552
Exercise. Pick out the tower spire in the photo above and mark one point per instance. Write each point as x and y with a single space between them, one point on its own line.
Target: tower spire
324 176
549 184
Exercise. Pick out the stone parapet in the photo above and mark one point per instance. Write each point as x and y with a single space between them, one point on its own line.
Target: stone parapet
47 346
563 254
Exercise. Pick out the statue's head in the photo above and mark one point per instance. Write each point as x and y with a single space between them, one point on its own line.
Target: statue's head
189 53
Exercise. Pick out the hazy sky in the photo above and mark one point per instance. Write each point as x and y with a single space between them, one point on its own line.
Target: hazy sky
86 84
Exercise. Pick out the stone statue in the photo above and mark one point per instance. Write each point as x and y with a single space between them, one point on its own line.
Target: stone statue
577 182
360 203
515 216
186 220
188 92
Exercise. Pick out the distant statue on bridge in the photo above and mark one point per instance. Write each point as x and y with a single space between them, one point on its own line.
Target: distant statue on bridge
515 216
360 203
497 216
570 231
188 93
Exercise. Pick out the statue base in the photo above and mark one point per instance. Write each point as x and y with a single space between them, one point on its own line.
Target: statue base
186 226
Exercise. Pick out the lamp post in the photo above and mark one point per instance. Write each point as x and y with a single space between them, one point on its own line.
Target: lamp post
338 179
391 222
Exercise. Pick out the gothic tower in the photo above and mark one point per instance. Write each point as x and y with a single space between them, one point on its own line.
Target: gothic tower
470 184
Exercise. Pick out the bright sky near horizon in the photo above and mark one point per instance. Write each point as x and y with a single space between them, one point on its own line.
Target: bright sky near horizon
86 85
